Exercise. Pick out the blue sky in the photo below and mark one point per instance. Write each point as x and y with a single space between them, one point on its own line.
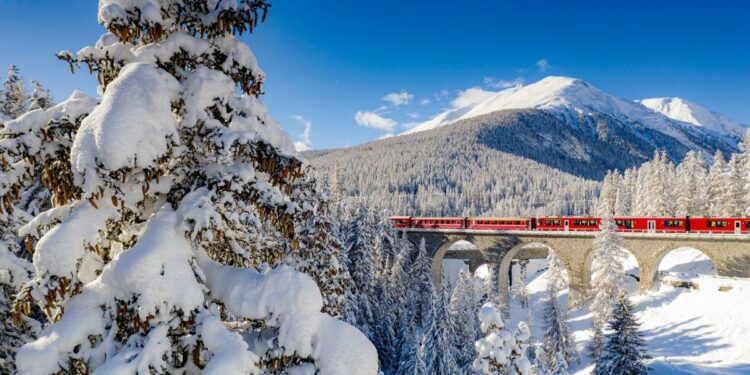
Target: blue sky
328 60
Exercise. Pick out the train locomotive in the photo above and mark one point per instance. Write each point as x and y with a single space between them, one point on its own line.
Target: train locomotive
711 225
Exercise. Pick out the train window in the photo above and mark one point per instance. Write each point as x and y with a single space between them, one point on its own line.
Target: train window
717 224
552 222
673 223
587 223
747 224
628 224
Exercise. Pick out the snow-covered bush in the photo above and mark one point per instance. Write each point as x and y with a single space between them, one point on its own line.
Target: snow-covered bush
170 194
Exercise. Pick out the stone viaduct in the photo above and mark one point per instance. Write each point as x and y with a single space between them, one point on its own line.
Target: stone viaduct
729 253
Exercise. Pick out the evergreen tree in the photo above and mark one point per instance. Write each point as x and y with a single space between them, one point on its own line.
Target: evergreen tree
439 335
500 352
607 203
607 279
717 185
400 300
734 193
558 345
30 185
168 201
463 303
40 97
540 364
424 289
15 270
519 364
624 352
690 190
362 271
625 194
493 350
14 94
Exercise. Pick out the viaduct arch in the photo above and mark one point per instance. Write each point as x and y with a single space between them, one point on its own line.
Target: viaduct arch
730 254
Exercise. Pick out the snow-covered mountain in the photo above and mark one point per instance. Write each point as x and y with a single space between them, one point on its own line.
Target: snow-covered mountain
571 99
682 110
516 149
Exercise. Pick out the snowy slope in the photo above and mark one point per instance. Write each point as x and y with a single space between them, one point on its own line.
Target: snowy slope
682 110
687 331
571 98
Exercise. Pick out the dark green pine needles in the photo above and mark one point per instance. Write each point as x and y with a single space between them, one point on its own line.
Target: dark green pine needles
624 351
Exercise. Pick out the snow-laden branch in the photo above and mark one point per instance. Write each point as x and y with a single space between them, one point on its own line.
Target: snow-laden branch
292 300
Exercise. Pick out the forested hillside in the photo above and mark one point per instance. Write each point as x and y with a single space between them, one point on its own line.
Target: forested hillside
471 169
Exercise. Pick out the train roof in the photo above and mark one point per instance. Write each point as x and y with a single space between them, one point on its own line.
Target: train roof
500 218
437 217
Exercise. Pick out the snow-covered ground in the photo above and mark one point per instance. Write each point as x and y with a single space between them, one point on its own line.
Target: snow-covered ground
687 331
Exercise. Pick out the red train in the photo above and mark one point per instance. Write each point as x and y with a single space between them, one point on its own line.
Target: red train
733 225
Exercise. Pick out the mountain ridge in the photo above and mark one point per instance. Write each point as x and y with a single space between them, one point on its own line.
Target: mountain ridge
572 97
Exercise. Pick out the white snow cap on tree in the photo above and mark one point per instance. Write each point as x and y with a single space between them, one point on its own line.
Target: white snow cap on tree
500 352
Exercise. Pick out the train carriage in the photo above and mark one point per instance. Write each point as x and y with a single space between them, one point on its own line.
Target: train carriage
720 225
438 222
568 223
652 224
493 223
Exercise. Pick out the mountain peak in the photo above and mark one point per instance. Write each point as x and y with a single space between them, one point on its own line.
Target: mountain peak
686 111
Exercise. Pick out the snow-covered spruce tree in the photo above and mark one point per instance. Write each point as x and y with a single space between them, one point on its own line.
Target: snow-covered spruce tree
493 351
624 352
690 189
500 352
384 337
734 194
519 364
14 94
558 347
362 272
14 272
606 204
624 200
607 280
424 289
177 186
40 97
463 304
401 298
717 185
439 338
35 151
